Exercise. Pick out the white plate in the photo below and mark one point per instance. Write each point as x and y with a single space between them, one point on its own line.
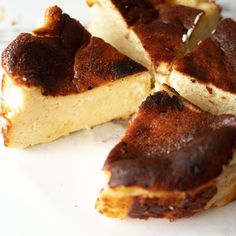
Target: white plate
51 189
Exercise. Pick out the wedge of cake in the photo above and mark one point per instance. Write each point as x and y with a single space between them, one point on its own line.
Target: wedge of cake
154 32
59 79
175 160
207 75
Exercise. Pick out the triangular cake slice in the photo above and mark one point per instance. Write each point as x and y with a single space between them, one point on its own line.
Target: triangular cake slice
207 75
60 79
154 32
174 160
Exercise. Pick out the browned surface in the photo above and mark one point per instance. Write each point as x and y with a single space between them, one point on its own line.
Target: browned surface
172 145
52 22
214 60
171 208
99 63
160 26
136 11
42 62
62 58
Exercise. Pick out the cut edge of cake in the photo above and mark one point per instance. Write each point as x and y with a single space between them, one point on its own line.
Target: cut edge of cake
31 118
209 95
206 96
105 17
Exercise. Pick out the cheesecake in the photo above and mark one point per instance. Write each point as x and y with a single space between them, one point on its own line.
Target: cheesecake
154 32
59 79
207 75
175 160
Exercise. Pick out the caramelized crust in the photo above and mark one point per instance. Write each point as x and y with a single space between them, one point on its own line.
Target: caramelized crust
54 58
99 63
40 61
136 11
159 25
172 146
214 60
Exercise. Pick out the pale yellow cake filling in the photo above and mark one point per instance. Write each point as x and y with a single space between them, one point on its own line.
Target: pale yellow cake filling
207 96
33 118
106 17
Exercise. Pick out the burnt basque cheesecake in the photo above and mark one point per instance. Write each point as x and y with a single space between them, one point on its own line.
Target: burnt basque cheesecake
207 75
174 160
59 79
154 32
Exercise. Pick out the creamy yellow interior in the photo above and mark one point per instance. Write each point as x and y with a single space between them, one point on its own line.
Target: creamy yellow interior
35 118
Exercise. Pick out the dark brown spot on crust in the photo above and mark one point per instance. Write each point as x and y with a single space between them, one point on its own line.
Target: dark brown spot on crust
172 145
163 103
210 91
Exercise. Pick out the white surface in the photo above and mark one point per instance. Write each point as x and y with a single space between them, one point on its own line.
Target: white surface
51 189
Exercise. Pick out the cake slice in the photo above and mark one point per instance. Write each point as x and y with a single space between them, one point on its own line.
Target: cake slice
60 79
174 161
207 75
154 32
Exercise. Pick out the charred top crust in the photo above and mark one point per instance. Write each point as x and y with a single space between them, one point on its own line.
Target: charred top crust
159 25
62 58
136 11
172 145
46 58
99 63
214 60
